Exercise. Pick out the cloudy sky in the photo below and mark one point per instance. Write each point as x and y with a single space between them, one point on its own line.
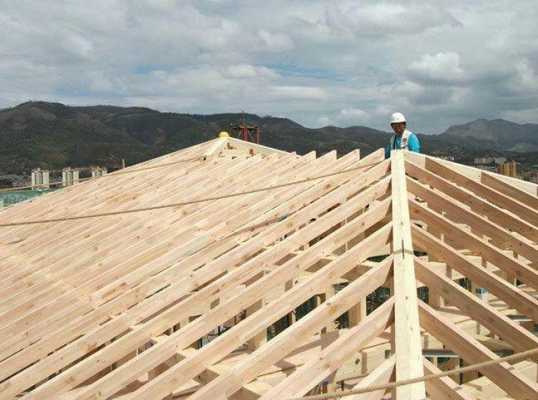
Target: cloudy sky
317 62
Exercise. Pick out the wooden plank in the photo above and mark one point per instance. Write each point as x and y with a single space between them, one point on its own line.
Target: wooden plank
257 148
202 325
470 241
475 173
510 191
443 388
457 212
520 209
495 214
472 351
379 376
511 332
249 327
298 334
138 313
508 293
333 357
215 148
12 331
407 341
128 260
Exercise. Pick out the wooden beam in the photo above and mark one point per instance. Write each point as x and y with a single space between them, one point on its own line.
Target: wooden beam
183 281
508 293
184 337
522 210
457 212
215 149
475 173
257 148
443 388
472 351
479 205
511 332
381 375
470 241
407 341
333 357
510 191
286 341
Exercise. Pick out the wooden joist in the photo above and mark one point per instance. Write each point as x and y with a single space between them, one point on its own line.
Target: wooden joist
129 306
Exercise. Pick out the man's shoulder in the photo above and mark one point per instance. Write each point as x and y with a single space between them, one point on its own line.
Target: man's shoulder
413 135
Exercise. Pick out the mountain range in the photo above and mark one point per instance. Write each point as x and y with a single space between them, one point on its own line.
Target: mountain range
53 135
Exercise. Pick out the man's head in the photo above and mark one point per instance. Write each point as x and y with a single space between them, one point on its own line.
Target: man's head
398 123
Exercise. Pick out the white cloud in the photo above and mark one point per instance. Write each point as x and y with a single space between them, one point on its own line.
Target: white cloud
324 121
316 61
441 67
353 116
298 93
528 115
526 78
250 71
275 41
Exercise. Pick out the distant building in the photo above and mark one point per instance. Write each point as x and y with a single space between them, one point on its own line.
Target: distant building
490 163
508 168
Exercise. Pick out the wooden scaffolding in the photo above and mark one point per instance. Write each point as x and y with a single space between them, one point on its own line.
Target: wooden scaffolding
229 270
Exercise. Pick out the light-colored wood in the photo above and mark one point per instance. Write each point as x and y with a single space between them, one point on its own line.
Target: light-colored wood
408 347
118 306
519 338
277 308
331 358
206 273
379 376
202 325
514 297
456 211
473 351
510 191
495 214
475 173
443 388
478 245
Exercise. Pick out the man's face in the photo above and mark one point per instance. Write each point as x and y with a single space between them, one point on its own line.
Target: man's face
398 127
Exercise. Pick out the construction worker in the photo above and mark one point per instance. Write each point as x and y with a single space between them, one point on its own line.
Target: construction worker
403 138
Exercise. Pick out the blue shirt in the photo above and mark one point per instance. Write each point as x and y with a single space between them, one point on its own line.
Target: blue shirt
413 144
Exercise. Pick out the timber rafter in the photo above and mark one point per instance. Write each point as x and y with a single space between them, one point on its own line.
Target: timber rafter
265 294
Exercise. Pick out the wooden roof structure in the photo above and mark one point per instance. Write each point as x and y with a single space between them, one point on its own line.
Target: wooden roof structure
230 270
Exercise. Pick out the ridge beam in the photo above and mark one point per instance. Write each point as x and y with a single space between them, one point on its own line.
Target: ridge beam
407 341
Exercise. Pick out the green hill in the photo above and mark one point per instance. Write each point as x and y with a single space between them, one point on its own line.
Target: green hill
53 135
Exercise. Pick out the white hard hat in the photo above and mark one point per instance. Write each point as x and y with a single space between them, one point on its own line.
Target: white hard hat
397 117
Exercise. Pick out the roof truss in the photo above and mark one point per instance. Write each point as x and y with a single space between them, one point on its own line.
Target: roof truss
179 302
